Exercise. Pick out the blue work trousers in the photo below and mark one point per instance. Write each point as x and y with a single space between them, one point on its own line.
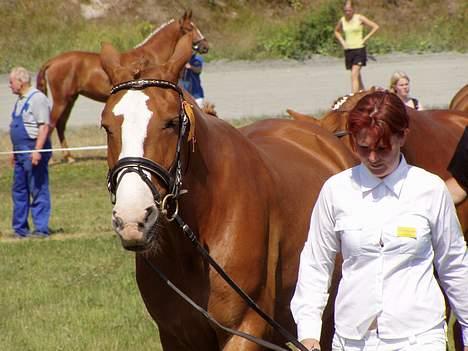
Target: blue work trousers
30 191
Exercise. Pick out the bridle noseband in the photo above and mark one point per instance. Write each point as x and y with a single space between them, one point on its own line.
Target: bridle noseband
170 179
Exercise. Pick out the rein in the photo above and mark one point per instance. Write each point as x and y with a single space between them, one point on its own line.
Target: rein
172 181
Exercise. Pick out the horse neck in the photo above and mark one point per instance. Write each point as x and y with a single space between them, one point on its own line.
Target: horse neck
211 161
164 38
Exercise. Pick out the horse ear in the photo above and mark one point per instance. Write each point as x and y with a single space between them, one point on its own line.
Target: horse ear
182 54
189 15
110 61
301 116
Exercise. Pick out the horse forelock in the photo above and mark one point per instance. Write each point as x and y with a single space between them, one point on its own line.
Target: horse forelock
157 30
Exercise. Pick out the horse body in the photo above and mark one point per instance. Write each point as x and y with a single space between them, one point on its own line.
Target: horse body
250 196
460 100
75 73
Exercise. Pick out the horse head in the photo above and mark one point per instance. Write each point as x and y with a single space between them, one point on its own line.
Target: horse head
147 122
199 42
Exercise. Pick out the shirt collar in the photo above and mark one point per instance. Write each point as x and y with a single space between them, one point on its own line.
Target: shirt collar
394 181
28 92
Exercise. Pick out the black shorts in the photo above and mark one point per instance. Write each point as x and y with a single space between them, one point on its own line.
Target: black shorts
459 164
355 57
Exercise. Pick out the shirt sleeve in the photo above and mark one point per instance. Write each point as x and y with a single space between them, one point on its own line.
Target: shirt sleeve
41 108
315 269
197 61
451 258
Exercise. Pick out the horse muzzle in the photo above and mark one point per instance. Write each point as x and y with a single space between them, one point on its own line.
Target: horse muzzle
136 232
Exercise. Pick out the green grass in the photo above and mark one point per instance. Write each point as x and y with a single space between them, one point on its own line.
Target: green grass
75 291
76 294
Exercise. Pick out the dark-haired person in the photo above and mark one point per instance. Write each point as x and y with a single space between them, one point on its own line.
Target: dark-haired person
458 167
29 131
354 42
392 223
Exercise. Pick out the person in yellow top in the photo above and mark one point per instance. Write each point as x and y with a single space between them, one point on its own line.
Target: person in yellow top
352 26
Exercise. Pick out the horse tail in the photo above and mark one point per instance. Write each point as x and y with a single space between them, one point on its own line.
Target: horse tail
297 116
41 80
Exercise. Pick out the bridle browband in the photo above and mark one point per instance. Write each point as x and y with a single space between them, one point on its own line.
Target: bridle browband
170 179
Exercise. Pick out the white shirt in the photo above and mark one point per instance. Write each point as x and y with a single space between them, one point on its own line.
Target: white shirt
391 233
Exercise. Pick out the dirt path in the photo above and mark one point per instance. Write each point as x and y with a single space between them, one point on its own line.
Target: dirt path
246 89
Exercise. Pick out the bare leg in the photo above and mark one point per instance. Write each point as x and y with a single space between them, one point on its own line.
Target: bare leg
457 192
356 79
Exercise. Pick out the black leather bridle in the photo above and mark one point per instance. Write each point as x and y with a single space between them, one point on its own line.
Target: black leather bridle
170 179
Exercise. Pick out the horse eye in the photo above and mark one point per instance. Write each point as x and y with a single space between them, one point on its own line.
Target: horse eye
172 123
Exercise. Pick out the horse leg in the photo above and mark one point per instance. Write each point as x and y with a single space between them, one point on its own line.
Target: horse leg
252 324
61 121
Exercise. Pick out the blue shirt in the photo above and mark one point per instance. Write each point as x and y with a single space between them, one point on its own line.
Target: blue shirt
190 80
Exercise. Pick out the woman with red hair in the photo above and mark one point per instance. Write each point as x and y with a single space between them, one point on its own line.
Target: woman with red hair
392 223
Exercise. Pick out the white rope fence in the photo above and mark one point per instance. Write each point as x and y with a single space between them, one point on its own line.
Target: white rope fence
81 148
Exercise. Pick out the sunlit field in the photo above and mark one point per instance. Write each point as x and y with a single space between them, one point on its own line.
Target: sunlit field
76 290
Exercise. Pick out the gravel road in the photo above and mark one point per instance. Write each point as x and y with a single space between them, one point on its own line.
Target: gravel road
246 89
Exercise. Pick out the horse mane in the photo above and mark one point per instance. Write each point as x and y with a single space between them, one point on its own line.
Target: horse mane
157 30
347 102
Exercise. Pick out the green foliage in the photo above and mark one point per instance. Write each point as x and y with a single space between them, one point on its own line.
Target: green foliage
34 31
312 35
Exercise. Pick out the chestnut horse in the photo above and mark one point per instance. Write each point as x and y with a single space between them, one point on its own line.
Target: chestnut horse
460 100
75 73
431 143
249 196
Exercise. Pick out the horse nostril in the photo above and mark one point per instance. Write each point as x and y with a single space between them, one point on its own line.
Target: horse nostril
117 222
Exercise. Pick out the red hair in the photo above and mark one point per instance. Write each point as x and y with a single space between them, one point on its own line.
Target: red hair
382 113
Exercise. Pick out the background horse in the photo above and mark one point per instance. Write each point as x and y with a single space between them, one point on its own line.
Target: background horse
75 73
431 143
460 100
249 201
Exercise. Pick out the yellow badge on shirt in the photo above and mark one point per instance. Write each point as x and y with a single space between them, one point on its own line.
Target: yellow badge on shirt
406 232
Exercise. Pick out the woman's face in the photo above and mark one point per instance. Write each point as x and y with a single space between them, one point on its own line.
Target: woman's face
348 11
402 88
380 160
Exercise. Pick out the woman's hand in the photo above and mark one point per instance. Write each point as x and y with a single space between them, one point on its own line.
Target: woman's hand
313 344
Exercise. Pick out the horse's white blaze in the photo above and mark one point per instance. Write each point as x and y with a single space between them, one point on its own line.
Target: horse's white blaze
133 195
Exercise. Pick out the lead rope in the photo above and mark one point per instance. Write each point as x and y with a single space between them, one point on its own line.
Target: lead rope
200 309
192 237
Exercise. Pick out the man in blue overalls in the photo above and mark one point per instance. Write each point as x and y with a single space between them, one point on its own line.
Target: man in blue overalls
29 130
